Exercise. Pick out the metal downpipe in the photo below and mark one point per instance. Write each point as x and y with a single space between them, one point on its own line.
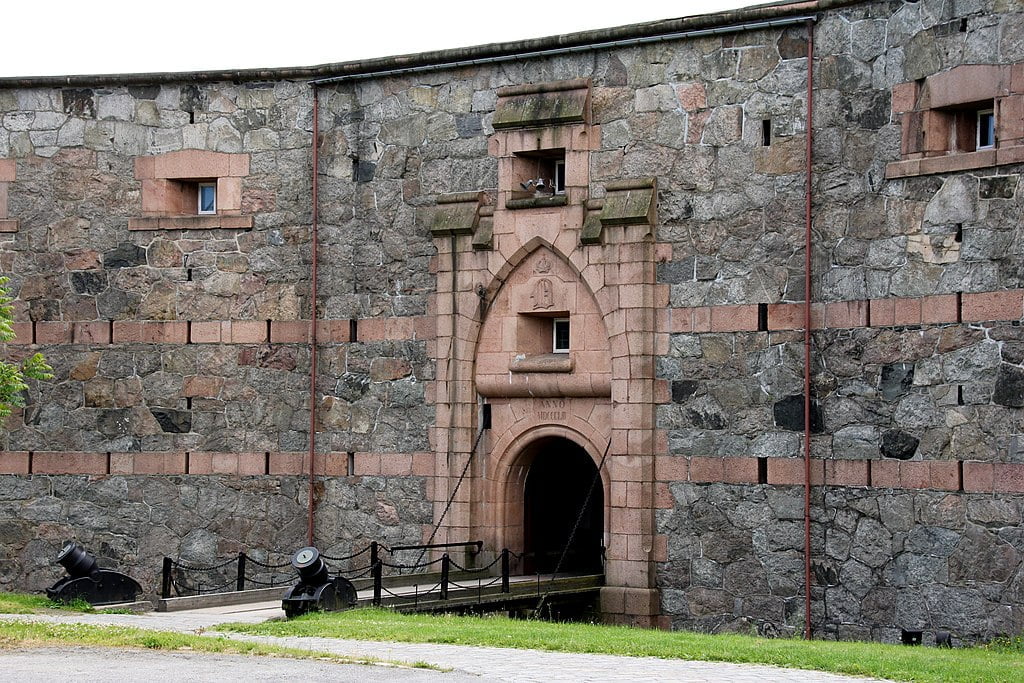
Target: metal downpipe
807 331
311 506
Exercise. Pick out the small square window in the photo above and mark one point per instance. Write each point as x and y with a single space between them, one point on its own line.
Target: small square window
560 335
207 198
986 129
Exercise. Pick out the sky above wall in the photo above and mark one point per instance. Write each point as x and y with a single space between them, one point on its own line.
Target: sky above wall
122 36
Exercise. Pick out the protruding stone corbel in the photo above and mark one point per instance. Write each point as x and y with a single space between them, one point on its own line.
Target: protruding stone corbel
464 213
543 104
627 202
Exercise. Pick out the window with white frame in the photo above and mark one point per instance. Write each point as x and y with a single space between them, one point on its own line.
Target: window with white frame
207 198
560 335
986 129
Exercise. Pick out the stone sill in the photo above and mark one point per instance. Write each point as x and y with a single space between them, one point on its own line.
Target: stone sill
8 225
955 162
537 202
545 362
191 223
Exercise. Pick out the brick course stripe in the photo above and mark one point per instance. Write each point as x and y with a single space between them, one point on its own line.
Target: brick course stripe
333 464
934 475
1005 305
100 332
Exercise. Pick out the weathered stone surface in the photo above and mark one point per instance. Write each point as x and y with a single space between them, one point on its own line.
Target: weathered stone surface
898 444
789 414
1009 387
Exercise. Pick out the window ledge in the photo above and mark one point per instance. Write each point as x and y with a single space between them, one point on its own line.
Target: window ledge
190 223
545 362
537 202
8 225
963 161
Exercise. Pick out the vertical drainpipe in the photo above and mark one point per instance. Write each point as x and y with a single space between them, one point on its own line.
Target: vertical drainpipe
312 323
807 332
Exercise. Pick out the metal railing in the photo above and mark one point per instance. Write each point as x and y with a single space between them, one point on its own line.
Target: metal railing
180 578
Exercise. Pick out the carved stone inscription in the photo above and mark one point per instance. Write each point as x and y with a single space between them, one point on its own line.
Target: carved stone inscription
550 409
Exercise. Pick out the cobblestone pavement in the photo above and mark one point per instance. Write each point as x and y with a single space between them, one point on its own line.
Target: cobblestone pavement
487 663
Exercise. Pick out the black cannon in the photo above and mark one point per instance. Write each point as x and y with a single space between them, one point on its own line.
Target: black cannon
316 591
86 581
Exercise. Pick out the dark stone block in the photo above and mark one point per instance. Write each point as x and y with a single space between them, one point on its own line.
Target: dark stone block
111 423
898 444
997 187
125 256
468 125
144 92
364 171
683 389
79 102
191 98
675 272
896 380
705 419
789 414
44 309
173 421
88 282
1009 389
354 116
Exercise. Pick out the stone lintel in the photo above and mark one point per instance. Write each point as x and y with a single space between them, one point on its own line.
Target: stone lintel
545 362
8 225
543 104
191 223
537 202
544 385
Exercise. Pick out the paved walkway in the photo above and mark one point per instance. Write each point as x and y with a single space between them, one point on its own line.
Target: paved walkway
487 663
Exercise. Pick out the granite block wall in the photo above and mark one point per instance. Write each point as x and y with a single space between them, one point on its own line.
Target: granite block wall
192 344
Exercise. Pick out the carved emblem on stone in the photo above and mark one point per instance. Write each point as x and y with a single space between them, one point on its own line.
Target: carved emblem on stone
543 265
543 297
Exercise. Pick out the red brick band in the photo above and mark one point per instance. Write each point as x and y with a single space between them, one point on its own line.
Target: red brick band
938 309
220 332
202 463
938 475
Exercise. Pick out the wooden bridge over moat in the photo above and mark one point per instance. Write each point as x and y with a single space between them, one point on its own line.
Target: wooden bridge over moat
440 585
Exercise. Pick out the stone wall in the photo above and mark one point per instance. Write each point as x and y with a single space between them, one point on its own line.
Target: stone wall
183 352
886 561
131 522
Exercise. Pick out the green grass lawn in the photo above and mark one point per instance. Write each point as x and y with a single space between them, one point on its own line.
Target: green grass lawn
896 662
20 603
21 634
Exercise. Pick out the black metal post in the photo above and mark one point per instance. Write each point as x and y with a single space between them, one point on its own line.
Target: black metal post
378 572
165 584
241 572
504 570
445 566
373 552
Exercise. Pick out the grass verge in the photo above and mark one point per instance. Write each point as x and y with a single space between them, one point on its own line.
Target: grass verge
37 634
20 603
859 659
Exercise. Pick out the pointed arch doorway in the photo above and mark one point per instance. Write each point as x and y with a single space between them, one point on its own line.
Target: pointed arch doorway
555 500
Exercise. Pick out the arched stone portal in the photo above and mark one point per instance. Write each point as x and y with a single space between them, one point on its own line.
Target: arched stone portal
562 487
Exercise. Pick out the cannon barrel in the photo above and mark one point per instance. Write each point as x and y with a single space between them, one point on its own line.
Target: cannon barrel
316 590
76 560
311 567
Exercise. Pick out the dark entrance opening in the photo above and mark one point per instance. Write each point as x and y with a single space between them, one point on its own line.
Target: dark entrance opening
557 484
